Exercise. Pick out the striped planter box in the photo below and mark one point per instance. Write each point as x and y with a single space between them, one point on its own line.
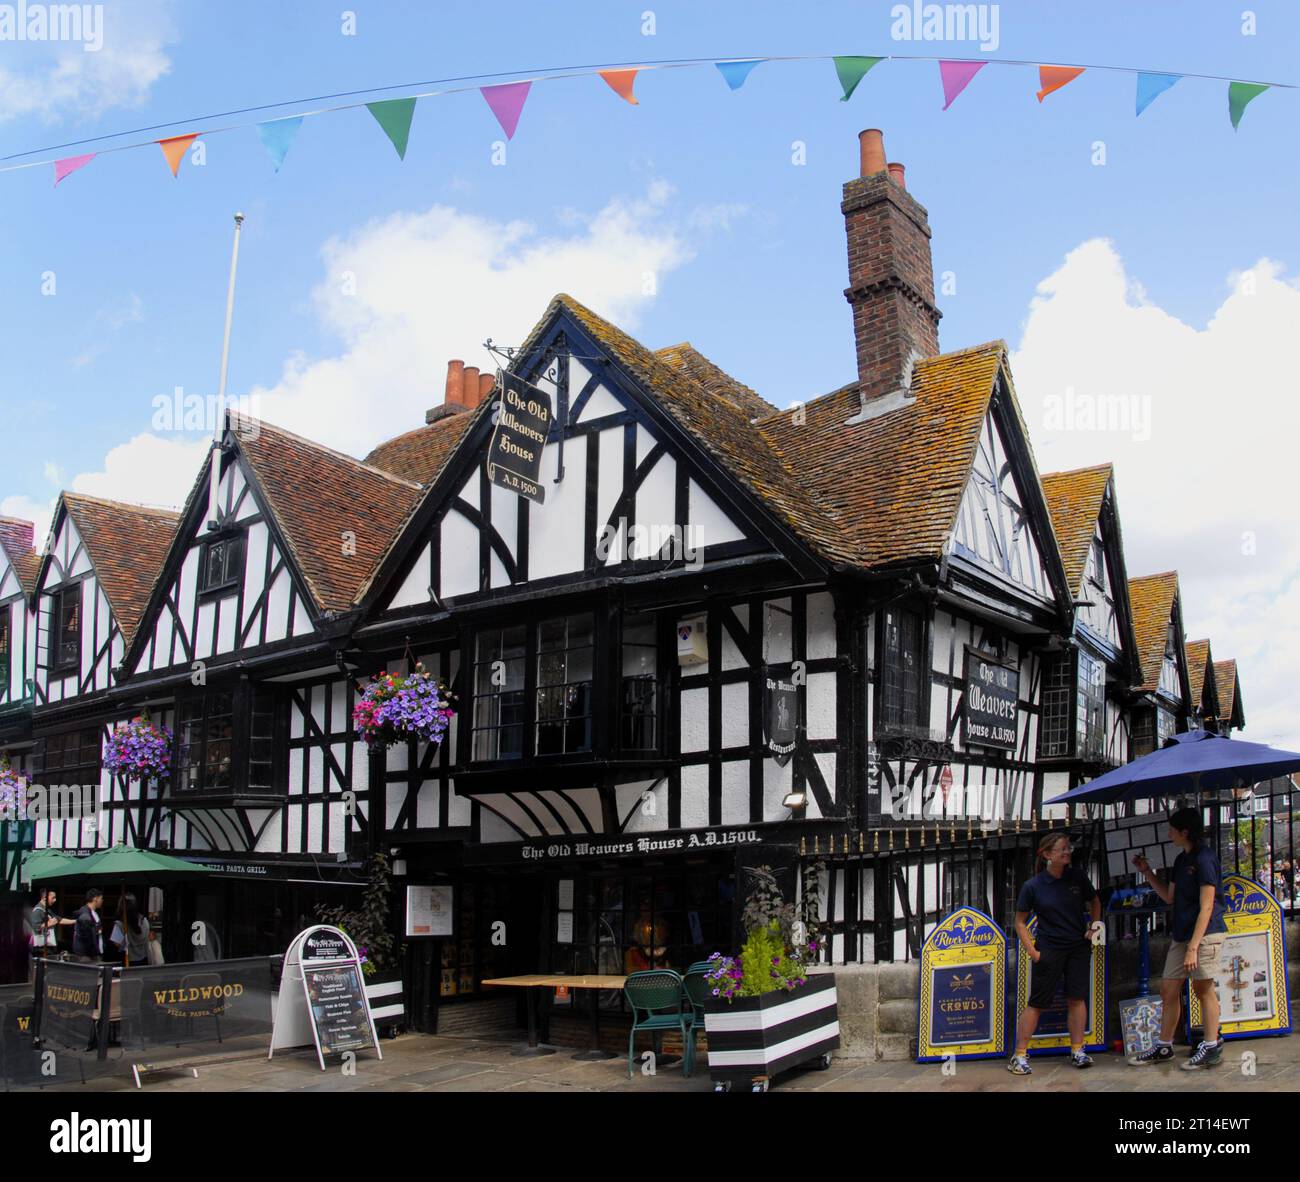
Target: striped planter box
753 1038
386 996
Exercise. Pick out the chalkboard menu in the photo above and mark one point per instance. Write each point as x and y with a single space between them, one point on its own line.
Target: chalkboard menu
338 1008
991 703
514 459
331 1010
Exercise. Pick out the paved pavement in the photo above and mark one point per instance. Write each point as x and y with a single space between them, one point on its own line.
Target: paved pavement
426 1063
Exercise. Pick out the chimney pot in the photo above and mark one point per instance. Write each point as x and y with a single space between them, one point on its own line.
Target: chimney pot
455 383
471 386
871 146
896 174
485 383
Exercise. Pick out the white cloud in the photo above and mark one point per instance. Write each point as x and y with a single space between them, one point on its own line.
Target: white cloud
408 292
429 286
49 80
1211 489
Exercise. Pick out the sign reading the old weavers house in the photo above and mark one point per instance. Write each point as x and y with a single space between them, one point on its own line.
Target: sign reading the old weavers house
514 459
992 695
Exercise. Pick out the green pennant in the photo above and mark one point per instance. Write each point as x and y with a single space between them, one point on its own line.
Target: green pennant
851 71
394 116
1239 94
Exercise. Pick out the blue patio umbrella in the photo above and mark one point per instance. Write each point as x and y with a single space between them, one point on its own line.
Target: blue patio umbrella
1196 761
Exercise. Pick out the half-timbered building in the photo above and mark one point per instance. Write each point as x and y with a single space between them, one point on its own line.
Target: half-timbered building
19 567
1232 715
1087 686
1203 684
1163 697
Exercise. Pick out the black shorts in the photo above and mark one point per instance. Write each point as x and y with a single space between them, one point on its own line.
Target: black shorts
1074 964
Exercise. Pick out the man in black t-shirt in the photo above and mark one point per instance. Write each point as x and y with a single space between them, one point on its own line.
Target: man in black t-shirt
1198 931
1068 910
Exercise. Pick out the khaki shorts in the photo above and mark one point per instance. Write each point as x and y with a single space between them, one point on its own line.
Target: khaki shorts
1207 959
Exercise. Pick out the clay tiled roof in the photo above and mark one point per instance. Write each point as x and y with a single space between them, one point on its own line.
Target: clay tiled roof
16 537
688 360
894 483
719 424
883 491
1152 598
316 496
127 545
420 455
1074 502
1225 677
1199 669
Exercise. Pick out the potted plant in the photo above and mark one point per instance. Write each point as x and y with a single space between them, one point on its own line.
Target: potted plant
139 750
764 1012
367 927
396 707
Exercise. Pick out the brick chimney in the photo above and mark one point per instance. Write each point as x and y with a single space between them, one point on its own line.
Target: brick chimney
891 279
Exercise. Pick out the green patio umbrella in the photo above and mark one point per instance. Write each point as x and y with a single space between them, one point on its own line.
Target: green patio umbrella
39 864
125 863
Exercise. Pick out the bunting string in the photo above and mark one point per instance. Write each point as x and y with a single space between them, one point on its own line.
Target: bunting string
506 100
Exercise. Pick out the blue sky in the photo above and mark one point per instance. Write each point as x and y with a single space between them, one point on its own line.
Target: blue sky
747 247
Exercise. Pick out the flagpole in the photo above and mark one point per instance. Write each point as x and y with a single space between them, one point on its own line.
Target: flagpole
214 479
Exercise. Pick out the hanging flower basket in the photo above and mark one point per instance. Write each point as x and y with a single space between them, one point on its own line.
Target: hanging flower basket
139 750
395 707
13 794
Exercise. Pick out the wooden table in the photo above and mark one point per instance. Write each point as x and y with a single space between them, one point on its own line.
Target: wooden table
535 983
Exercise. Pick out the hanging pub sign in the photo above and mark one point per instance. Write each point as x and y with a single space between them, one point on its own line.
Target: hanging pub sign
514 459
780 715
1053 1034
1254 998
990 703
962 1010
323 997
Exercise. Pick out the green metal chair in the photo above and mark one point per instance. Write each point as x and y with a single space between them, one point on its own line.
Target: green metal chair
697 987
658 1003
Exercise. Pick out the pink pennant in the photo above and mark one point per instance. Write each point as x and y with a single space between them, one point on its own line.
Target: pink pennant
69 164
507 102
955 77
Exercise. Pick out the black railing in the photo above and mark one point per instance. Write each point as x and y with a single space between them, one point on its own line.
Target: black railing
1255 837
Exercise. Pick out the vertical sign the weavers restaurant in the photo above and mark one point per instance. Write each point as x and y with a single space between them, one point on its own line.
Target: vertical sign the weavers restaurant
992 696
780 715
514 459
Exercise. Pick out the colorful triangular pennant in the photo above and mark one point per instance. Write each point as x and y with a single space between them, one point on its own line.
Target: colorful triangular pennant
620 82
1052 78
736 72
276 136
851 71
1151 86
955 77
507 101
174 150
69 164
394 116
1239 94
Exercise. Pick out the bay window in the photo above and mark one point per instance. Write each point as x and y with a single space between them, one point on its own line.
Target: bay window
226 741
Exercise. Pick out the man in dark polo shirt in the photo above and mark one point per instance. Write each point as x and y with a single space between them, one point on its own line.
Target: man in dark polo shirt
1198 932
1068 908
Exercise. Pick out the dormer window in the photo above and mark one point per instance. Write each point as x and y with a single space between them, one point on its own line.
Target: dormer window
221 565
1169 681
64 651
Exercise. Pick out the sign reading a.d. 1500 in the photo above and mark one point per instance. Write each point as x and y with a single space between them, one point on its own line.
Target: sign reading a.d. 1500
992 695
514 459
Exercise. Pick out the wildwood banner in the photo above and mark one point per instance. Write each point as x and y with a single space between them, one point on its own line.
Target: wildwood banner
69 1004
167 1005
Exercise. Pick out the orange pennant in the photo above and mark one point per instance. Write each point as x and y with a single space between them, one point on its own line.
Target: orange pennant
620 81
1052 78
174 149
